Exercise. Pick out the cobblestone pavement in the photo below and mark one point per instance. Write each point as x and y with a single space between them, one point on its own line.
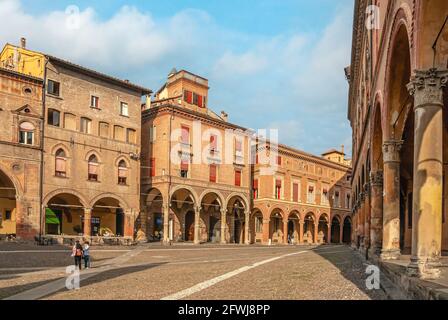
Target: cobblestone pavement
204 272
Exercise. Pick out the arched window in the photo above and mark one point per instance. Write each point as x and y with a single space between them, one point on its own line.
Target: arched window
60 163
122 172
26 133
93 168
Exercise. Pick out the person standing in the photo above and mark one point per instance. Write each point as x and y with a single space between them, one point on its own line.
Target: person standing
77 254
86 254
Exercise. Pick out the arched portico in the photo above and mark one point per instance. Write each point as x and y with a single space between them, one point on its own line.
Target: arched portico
309 228
8 205
237 219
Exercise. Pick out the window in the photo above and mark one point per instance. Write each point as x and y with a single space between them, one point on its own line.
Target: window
69 121
53 88
336 199
238 150
54 117
213 143
185 138
238 178
188 96
60 163
86 125
124 111
278 188
311 194
103 129
131 136
119 133
26 133
122 172
152 166
212 173
347 201
198 100
295 192
324 199
279 160
184 168
93 168
255 188
94 102
258 224
8 214
152 133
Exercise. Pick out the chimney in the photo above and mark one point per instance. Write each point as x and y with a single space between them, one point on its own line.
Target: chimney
148 101
342 149
23 43
224 116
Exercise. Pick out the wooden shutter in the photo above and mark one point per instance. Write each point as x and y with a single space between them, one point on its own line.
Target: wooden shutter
278 183
200 103
295 192
279 160
185 135
255 184
238 178
60 165
184 165
93 168
212 173
213 142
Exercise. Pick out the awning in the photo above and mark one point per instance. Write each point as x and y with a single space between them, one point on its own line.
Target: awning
50 217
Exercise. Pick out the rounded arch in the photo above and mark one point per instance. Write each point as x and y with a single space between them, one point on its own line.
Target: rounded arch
13 179
277 209
399 65
337 217
75 193
324 215
120 200
193 193
218 195
294 213
242 196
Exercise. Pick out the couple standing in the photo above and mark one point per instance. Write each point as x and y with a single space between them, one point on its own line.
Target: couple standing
80 252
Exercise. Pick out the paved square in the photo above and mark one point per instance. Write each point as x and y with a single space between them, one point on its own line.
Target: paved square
188 272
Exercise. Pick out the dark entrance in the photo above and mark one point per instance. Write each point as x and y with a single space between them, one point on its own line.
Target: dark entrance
119 220
347 231
189 226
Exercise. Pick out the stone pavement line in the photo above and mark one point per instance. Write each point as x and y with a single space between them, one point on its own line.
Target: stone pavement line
56 285
208 283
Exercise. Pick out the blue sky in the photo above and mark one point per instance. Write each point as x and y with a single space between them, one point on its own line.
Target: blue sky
270 63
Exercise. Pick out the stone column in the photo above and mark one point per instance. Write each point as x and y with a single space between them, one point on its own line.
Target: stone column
266 231
87 232
361 220
300 232
246 227
376 212
341 232
391 200
285 231
197 211
328 232
316 232
367 213
166 223
223 225
427 87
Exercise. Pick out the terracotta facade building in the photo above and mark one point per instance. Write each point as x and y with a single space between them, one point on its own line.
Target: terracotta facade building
195 167
398 91
299 197
90 144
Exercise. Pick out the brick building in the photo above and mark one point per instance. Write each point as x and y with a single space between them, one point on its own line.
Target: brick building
21 113
195 167
300 198
90 144
397 109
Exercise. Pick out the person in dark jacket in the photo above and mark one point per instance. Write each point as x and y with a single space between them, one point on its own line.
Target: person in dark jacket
77 253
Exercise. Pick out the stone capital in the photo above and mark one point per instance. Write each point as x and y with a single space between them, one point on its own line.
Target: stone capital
427 87
391 150
376 178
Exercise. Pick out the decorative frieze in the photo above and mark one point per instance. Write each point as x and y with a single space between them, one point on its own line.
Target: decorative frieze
376 178
427 87
391 150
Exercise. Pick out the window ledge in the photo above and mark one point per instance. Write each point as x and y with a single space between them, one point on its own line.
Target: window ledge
95 108
94 181
60 177
54 96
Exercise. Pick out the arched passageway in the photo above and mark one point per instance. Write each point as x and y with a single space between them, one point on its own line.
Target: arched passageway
309 227
276 226
8 206
335 230
347 231
64 215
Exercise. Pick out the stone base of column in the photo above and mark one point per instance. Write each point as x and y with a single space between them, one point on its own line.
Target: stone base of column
196 241
374 252
166 242
391 254
424 269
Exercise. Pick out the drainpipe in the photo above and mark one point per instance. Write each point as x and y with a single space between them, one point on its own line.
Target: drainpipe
41 193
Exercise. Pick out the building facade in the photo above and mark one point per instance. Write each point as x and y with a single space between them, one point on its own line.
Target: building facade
21 153
299 197
398 90
90 147
195 167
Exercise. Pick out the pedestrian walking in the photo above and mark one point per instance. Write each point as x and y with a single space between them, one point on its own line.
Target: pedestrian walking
86 254
77 254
